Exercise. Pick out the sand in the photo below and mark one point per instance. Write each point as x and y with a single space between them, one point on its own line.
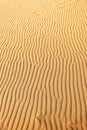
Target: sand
43 65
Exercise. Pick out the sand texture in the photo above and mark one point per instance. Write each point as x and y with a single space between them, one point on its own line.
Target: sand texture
43 64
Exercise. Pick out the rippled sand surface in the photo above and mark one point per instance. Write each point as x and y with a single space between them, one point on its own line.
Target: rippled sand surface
43 65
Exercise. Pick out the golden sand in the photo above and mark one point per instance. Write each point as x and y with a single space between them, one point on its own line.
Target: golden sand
43 65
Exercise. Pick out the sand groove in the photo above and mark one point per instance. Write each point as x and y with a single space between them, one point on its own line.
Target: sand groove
43 66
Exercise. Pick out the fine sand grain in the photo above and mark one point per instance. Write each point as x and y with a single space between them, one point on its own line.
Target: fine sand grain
43 64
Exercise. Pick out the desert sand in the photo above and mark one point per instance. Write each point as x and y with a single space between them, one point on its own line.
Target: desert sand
43 65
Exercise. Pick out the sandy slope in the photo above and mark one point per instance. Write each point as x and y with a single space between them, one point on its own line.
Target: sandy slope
43 65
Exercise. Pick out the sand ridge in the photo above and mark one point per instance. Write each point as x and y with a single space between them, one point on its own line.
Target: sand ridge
43 65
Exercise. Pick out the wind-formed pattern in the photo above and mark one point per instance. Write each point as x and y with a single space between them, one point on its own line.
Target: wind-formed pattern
43 67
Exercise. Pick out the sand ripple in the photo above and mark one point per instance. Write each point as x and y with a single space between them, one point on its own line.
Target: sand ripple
43 66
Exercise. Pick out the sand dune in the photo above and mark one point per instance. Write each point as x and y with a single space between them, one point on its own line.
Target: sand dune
43 65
